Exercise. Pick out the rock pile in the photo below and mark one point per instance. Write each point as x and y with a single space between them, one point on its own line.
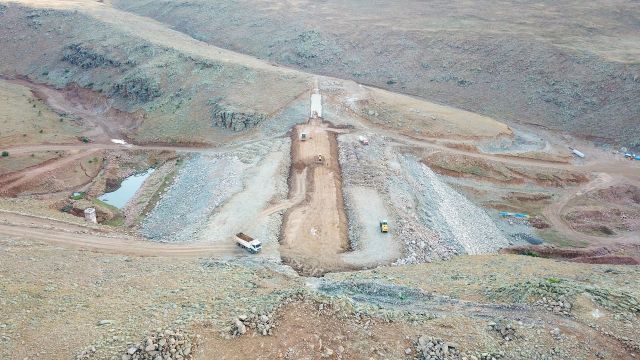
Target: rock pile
506 331
558 305
261 324
225 117
165 345
429 348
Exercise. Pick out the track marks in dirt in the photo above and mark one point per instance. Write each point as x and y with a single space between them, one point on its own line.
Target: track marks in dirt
15 183
314 231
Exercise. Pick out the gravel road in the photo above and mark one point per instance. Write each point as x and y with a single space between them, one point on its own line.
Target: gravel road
374 247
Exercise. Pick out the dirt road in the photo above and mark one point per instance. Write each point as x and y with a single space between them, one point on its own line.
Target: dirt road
375 247
17 182
19 226
102 121
554 211
314 232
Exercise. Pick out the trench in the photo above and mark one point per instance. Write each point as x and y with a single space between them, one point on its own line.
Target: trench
314 231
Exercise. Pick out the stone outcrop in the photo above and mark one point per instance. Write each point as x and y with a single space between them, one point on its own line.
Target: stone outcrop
137 88
224 117
87 58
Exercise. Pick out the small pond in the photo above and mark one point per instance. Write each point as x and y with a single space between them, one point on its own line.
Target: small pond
127 189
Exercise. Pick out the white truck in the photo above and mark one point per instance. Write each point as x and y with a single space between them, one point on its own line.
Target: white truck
248 243
577 152
363 140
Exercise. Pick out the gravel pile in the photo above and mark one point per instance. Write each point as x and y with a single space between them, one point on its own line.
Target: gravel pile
202 184
261 324
361 165
164 345
505 330
557 305
421 243
432 220
429 348
451 215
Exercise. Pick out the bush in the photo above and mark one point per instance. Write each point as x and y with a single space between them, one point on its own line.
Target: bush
78 195
530 253
5 153
84 139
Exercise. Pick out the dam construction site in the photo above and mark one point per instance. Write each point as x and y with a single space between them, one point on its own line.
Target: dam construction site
176 184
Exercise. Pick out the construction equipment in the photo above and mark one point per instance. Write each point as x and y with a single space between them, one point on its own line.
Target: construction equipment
248 243
384 226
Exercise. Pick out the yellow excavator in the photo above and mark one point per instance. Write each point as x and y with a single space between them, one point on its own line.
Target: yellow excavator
384 226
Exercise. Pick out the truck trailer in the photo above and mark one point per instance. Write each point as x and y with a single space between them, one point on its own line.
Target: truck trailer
248 243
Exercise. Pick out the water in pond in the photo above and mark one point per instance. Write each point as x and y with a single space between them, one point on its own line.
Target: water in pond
127 189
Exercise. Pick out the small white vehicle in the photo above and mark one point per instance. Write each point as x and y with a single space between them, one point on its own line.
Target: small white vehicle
248 243
363 140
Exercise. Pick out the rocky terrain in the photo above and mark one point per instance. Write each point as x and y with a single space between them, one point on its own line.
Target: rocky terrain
181 94
565 66
307 126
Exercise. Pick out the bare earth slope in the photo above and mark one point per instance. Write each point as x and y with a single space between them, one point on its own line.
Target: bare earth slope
186 90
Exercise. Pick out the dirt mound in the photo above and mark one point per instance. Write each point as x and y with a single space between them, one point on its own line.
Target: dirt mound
614 255
464 166
608 212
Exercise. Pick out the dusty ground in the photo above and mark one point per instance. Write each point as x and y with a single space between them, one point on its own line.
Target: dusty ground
85 287
223 128
39 123
314 232
606 211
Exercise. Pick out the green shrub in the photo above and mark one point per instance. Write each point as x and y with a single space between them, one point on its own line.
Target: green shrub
78 196
5 153
530 253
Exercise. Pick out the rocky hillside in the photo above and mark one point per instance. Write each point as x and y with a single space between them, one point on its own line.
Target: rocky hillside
186 98
565 65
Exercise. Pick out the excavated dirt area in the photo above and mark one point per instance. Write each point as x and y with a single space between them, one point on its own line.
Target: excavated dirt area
327 283
93 110
314 232
605 212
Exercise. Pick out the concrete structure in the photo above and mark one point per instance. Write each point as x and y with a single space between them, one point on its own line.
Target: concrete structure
316 106
90 215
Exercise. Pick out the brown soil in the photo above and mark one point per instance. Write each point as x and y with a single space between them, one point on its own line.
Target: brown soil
616 254
314 231
476 167
55 175
95 110
605 212
304 332
101 239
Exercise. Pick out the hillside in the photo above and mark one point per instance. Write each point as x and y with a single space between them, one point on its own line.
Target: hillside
566 65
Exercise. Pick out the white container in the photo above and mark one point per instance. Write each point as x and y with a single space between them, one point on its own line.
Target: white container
577 153
90 215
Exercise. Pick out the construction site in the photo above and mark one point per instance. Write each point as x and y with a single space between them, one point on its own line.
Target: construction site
219 195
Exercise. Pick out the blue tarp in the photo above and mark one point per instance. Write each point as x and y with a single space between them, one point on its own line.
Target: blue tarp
515 215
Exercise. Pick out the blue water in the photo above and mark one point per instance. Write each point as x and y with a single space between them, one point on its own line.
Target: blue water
127 189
